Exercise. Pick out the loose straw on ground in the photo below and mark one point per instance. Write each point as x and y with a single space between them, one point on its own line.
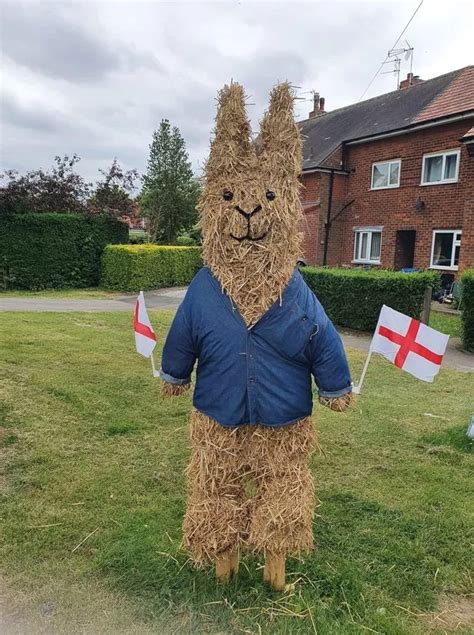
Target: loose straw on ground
84 539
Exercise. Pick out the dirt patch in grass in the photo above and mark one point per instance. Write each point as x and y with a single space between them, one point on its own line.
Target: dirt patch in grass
86 609
455 613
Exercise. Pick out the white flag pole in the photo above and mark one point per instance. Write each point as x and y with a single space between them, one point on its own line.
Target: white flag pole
153 367
358 387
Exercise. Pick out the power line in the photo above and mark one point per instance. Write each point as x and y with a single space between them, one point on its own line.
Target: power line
393 46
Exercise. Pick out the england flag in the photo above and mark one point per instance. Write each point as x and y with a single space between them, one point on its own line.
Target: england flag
409 344
145 338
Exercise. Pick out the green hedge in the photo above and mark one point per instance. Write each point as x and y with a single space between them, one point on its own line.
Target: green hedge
467 306
353 298
136 267
41 251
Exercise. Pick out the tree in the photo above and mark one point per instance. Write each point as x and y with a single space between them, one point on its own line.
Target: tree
114 193
170 191
61 189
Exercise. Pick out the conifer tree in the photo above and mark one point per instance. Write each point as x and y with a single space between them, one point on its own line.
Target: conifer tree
170 190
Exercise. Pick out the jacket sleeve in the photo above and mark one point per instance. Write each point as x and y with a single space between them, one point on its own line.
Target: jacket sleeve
179 352
329 364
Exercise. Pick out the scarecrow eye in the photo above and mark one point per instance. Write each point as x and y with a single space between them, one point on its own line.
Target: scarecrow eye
228 196
270 195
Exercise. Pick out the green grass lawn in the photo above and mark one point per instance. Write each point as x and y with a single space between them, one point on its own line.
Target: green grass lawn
93 494
446 323
92 293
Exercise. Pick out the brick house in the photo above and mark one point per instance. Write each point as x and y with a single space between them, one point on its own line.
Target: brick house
389 181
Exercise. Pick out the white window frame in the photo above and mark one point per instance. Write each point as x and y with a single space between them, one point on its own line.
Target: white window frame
390 162
456 243
444 154
369 231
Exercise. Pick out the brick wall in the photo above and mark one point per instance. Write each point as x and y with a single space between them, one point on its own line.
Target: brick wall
449 206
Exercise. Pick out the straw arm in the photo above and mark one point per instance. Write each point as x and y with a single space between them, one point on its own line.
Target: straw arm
173 390
339 404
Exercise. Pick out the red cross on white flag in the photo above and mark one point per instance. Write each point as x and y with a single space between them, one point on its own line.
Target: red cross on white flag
409 344
145 338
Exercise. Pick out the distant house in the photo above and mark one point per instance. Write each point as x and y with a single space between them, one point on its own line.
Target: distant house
389 181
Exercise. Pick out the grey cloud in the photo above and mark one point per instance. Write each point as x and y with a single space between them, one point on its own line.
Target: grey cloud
133 59
23 116
42 39
273 67
130 64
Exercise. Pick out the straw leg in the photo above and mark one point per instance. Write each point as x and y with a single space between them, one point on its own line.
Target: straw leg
234 562
223 567
216 518
283 508
274 571
227 565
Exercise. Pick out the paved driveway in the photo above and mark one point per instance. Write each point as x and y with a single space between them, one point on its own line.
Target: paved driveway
159 299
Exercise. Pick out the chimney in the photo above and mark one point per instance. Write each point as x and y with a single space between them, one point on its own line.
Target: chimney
318 106
411 80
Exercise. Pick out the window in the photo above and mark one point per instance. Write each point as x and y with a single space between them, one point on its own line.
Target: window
445 249
367 244
386 174
442 167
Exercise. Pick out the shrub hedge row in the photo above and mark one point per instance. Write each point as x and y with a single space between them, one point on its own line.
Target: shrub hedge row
136 267
353 298
467 306
41 251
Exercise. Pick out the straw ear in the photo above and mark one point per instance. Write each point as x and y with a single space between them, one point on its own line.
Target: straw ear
280 145
231 149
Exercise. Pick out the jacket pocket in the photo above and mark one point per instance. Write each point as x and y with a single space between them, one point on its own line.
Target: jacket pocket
290 334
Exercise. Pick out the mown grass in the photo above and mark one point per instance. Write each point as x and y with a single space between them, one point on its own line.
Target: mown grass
91 449
446 323
90 293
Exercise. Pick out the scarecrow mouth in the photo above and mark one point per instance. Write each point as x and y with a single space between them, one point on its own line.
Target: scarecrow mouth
249 237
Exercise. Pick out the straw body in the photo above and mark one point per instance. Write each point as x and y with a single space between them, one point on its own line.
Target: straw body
249 489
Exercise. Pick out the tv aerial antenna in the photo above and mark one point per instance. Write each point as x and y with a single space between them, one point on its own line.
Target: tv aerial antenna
394 56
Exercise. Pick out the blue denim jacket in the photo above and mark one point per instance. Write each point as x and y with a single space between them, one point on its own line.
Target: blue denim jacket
260 374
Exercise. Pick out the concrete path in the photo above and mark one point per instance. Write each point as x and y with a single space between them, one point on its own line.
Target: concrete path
171 298
158 299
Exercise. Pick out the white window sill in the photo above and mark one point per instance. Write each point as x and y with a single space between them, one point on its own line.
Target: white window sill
442 268
365 262
385 187
450 182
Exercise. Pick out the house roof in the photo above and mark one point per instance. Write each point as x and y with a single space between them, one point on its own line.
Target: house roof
436 98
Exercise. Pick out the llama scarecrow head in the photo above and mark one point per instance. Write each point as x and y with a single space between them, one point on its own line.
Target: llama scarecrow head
250 207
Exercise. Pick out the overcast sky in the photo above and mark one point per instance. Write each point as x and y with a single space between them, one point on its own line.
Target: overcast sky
96 78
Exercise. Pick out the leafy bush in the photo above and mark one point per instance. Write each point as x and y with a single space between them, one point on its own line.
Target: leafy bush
137 237
135 267
40 251
467 318
353 298
185 241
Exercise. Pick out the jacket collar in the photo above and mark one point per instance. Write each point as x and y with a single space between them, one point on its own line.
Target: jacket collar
288 297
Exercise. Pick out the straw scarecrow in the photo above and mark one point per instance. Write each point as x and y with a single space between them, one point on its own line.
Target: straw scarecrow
257 333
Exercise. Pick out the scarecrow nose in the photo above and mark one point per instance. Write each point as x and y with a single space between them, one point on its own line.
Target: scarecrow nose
248 215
